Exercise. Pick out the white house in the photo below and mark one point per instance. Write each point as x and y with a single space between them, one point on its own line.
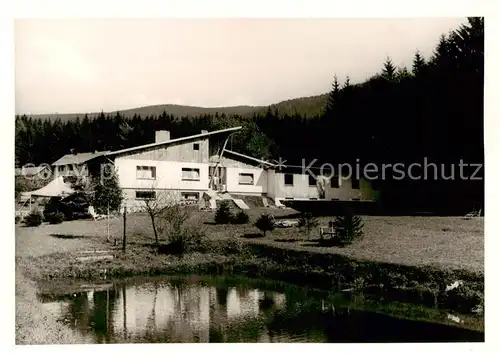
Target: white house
77 164
179 167
188 167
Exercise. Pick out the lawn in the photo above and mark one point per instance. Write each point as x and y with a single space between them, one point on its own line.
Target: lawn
51 251
443 242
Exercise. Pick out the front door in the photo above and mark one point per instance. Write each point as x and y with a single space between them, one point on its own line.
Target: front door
217 178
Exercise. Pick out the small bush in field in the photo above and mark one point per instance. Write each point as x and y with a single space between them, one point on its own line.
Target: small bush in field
264 224
55 218
223 247
241 218
308 222
34 219
348 228
223 214
186 239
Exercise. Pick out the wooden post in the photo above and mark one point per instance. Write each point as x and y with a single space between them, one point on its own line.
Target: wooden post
108 221
124 227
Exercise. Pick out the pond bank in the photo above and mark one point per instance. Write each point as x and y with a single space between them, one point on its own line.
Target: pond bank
194 308
33 324
421 285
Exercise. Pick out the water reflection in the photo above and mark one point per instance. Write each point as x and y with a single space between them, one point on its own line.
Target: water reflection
187 310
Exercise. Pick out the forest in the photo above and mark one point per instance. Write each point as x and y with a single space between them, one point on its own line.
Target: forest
432 110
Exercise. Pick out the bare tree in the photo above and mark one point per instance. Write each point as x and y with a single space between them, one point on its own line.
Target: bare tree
155 204
165 211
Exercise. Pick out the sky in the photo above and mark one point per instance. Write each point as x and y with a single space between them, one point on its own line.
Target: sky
92 65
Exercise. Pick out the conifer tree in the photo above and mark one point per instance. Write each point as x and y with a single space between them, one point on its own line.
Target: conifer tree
418 64
333 96
107 192
389 70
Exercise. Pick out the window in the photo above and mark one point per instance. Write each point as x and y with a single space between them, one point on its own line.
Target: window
61 168
196 146
146 172
355 183
312 181
145 194
288 179
334 182
70 167
245 178
190 174
190 196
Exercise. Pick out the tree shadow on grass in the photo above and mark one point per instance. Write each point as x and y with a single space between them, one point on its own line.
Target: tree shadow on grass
288 216
69 236
324 244
252 235
291 240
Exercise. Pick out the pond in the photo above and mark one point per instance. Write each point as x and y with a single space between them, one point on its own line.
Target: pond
197 309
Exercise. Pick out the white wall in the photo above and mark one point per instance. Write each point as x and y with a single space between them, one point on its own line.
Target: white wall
302 190
299 190
259 178
345 192
168 175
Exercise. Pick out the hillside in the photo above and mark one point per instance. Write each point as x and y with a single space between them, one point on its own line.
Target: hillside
311 105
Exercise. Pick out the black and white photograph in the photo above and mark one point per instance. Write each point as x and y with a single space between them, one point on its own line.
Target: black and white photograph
249 180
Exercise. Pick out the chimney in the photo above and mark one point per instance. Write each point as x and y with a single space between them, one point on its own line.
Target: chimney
162 136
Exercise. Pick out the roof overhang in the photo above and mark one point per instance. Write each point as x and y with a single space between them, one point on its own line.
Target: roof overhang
173 141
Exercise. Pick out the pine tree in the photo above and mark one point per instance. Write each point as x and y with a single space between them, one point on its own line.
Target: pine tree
107 192
418 64
441 55
223 214
264 223
389 70
347 82
348 228
308 222
402 73
333 96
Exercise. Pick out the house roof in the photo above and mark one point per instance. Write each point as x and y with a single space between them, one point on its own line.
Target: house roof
172 141
241 155
78 158
29 171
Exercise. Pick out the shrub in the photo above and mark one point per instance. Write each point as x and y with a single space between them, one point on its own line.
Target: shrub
34 219
240 218
224 247
185 240
18 219
223 214
73 207
308 222
264 224
55 218
348 228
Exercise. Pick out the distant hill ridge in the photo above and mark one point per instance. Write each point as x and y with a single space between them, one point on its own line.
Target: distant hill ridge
311 105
